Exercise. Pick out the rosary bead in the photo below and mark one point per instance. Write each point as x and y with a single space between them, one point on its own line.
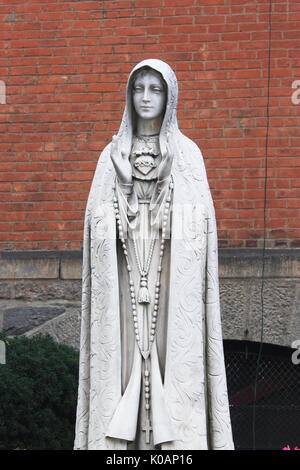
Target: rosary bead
132 295
128 267
159 268
137 337
147 395
157 289
154 321
156 306
147 383
151 338
147 406
146 373
131 282
147 389
131 289
161 253
155 314
144 283
169 198
153 331
157 284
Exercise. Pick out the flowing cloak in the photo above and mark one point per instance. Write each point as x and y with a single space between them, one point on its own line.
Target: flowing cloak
194 390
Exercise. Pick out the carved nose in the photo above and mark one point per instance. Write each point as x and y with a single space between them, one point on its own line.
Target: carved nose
145 97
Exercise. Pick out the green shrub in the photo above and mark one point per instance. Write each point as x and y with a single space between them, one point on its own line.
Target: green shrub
38 394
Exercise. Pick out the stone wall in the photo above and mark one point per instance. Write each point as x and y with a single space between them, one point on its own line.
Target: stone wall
40 292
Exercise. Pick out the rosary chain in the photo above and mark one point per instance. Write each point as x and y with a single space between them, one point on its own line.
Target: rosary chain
159 269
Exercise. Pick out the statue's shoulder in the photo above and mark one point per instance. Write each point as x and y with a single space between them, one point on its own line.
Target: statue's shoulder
103 168
104 155
189 147
104 161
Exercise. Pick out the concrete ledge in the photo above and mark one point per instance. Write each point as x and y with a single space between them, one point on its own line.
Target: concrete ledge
249 263
40 265
70 268
31 268
233 263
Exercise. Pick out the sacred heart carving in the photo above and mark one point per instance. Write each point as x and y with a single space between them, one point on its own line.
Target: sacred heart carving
145 163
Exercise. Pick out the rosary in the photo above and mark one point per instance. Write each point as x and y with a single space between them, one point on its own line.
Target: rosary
144 296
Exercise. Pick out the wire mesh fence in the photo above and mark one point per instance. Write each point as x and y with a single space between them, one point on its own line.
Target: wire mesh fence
274 421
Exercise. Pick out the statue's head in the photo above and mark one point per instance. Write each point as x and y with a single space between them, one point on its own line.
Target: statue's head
149 94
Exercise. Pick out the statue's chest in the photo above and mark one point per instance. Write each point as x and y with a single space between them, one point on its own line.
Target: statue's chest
145 157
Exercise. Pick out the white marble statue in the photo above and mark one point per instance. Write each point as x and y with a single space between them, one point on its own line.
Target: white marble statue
152 372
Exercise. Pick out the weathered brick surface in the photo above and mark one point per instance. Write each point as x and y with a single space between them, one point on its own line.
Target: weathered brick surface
65 64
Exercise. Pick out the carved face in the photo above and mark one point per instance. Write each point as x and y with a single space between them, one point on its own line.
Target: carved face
149 95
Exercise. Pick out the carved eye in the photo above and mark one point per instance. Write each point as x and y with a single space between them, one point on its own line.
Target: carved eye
138 88
157 89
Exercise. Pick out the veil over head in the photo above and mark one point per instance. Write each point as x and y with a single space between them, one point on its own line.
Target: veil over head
169 127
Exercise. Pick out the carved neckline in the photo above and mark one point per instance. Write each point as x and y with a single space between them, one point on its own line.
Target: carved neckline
147 138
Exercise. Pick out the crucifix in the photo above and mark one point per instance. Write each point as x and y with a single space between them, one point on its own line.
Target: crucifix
147 428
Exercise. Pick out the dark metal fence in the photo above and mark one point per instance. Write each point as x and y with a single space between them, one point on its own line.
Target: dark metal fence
274 421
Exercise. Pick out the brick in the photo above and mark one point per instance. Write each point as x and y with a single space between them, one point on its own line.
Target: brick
66 71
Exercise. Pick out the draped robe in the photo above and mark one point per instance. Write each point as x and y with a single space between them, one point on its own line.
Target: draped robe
191 389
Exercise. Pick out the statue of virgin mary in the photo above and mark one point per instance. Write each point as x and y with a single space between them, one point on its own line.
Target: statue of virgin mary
152 373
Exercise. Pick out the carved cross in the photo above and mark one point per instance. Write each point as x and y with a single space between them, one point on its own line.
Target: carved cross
147 428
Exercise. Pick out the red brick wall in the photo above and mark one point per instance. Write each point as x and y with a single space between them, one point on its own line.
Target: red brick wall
65 64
